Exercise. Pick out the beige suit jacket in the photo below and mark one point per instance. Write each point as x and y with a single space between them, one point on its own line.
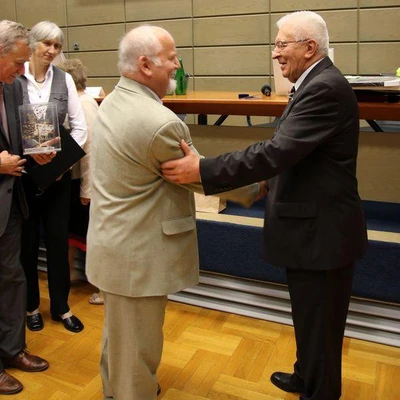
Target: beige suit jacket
142 232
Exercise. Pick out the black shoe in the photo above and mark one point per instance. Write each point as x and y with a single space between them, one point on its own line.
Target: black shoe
72 323
288 382
158 389
34 322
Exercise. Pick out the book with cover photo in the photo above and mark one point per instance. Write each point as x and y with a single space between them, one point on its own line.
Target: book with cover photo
70 153
39 128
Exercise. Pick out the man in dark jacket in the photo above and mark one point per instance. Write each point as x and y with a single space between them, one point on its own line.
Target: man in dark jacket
314 223
14 51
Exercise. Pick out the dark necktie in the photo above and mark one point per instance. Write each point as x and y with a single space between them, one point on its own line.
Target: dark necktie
291 94
3 116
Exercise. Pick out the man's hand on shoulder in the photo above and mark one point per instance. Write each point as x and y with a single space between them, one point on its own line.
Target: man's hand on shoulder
183 170
11 164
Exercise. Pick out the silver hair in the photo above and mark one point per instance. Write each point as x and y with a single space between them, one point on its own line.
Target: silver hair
10 34
308 25
141 41
45 30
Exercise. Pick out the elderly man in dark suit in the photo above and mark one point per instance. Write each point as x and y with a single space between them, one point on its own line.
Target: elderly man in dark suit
14 51
314 223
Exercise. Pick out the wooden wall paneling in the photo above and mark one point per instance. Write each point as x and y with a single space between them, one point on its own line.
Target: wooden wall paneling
146 10
30 12
95 12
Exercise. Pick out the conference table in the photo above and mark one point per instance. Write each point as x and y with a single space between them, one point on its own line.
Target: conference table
373 103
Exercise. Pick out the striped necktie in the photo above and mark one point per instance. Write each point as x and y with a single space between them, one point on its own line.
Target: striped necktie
291 94
3 115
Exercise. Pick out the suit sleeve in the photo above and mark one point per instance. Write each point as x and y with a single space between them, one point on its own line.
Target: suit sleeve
166 146
311 121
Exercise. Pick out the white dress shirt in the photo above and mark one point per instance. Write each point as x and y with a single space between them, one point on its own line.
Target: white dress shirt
40 93
305 73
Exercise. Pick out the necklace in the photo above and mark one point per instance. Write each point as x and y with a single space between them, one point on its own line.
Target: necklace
42 81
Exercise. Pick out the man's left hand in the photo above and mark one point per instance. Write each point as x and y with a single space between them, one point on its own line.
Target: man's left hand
43 158
263 190
85 201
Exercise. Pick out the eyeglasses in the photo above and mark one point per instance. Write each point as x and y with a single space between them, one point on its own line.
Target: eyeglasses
281 45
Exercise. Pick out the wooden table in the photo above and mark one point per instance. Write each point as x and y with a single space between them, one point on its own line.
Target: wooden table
228 103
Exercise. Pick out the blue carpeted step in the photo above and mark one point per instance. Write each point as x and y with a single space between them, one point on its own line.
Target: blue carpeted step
380 216
236 250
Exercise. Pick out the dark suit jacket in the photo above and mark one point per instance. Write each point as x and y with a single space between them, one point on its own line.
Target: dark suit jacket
9 183
314 218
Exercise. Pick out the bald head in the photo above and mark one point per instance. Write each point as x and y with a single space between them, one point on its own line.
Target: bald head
148 55
142 41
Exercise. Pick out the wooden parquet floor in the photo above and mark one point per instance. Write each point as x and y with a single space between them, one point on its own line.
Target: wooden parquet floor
207 355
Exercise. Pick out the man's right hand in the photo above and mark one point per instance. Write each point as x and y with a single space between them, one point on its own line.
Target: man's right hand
11 164
183 170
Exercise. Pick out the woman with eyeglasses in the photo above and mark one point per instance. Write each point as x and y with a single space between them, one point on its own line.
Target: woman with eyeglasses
49 209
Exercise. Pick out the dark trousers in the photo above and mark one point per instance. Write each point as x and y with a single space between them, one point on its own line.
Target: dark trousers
12 289
51 208
320 302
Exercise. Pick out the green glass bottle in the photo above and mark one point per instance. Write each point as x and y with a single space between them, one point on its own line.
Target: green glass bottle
181 79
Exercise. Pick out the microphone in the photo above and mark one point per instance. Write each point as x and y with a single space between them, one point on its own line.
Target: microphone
266 90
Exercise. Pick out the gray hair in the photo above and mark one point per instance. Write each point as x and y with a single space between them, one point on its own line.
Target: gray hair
45 30
308 25
10 34
77 70
141 41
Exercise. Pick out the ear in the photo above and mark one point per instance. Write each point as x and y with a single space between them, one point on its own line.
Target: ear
312 48
145 65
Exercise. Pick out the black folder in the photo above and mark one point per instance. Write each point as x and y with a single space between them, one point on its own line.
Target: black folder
71 152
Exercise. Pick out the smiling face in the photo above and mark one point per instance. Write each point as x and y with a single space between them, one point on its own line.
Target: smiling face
162 80
295 57
47 50
163 75
12 63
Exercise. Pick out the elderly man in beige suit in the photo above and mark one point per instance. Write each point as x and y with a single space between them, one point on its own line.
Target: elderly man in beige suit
142 241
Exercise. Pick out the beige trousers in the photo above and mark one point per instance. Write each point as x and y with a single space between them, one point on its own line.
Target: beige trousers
132 346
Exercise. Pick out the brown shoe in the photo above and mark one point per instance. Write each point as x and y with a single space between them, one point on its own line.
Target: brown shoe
8 384
26 362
